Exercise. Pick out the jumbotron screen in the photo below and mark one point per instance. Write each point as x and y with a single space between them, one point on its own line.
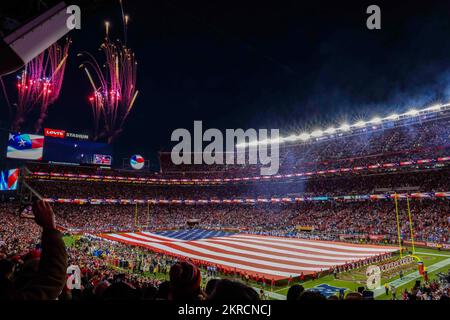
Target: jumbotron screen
9 179
25 146
77 151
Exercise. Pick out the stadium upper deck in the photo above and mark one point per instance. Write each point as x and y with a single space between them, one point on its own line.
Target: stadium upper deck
412 138
413 143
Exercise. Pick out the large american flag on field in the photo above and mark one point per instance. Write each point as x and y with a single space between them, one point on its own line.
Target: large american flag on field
262 256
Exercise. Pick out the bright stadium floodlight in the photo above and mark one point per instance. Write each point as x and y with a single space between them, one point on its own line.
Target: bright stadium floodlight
304 136
412 112
393 116
436 107
330 130
272 141
376 120
245 144
360 124
253 143
345 127
317 133
290 138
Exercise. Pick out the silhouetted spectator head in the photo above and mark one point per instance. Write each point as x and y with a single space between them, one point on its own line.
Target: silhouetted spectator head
311 296
163 291
185 279
294 292
6 268
228 290
121 291
100 288
210 286
354 296
149 293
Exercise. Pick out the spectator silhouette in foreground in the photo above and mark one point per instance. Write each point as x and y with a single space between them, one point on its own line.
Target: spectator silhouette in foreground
185 280
43 273
294 292
228 290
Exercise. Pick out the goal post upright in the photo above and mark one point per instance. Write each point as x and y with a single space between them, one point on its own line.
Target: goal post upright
410 224
398 224
136 216
148 215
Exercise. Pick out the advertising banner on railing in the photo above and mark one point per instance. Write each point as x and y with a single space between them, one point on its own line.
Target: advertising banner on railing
285 200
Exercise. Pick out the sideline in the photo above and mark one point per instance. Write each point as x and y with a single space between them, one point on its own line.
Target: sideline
411 277
432 254
271 294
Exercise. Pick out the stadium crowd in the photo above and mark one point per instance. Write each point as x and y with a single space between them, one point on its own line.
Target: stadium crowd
34 259
412 141
421 181
408 140
328 220
112 271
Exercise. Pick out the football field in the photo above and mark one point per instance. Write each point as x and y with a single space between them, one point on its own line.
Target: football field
260 257
435 261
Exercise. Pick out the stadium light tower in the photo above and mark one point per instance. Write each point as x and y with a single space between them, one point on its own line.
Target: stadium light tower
304 136
291 138
317 133
376 120
393 116
330 130
360 124
345 127
412 112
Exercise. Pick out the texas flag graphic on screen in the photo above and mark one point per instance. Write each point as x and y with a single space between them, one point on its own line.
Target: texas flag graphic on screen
25 146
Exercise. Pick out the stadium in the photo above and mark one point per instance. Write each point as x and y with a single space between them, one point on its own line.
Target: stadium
358 210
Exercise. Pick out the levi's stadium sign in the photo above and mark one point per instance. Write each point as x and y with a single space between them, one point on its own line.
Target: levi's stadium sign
77 136
56 133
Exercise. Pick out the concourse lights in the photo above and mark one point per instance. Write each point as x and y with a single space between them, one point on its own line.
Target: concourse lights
345 127
330 130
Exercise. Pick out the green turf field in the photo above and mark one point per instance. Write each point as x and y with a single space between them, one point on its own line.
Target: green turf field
356 278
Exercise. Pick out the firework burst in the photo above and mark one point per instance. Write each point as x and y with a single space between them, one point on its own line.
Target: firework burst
39 84
114 85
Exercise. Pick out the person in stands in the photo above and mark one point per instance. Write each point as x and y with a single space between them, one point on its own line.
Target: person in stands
42 275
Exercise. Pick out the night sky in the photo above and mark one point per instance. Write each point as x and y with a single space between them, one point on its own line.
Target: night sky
291 65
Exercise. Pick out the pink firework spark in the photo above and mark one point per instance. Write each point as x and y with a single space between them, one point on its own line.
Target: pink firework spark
114 86
39 84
